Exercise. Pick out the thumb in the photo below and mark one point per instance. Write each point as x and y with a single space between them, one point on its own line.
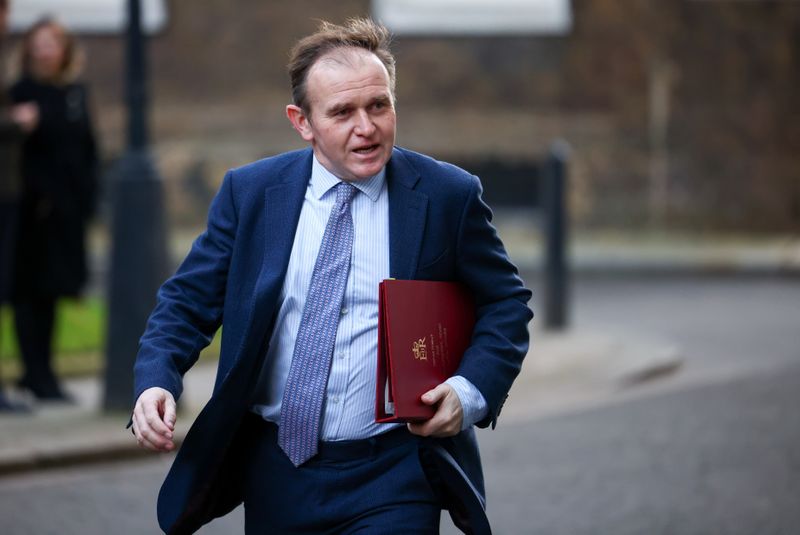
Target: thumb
431 397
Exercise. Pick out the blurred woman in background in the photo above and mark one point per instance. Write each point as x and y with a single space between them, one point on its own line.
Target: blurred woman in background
59 161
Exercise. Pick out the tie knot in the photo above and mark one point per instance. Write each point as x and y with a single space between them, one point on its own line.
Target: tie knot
345 193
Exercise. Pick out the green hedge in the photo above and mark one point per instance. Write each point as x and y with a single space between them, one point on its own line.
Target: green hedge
79 340
80 328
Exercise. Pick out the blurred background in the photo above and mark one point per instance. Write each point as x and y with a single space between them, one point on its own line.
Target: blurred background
663 401
680 113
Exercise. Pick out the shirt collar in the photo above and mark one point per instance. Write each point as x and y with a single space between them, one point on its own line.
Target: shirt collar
323 180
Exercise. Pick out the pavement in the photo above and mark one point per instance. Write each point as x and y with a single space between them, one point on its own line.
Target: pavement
57 435
569 368
645 252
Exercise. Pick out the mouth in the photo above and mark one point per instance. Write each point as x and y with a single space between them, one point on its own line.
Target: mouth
366 150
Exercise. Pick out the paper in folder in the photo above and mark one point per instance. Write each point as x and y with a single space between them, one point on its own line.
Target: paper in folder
424 327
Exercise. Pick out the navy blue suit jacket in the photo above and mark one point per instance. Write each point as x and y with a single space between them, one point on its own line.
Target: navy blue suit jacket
439 229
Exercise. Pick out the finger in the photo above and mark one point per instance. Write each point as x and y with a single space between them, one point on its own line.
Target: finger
431 397
145 436
428 427
139 422
436 429
419 429
433 428
154 419
146 444
445 423
162 446
170 413
159 445
155 441
142 430
452 416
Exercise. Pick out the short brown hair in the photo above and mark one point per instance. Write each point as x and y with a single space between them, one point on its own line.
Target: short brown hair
354 33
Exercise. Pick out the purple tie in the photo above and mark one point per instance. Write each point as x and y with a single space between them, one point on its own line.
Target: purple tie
301 407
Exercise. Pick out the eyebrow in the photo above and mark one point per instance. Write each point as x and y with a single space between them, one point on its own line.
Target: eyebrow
336 108
382 99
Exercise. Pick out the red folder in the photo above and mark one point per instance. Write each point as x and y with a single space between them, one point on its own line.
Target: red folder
424 327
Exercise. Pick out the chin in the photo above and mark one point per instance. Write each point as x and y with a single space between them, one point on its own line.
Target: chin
366 171
361 176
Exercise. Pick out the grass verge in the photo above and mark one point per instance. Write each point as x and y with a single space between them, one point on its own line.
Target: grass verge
79 344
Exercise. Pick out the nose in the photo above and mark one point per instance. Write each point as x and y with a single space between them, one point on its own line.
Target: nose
364 125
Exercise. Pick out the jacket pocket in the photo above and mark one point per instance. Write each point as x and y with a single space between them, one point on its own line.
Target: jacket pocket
427 265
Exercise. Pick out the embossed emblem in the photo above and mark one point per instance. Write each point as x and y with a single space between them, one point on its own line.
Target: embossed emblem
419 349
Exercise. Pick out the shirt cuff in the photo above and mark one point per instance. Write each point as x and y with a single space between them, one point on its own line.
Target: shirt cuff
473 403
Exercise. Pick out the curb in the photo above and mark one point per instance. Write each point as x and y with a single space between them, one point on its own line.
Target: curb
40 461
80 455
654 269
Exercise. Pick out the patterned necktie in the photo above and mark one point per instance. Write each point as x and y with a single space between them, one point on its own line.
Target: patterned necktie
301 406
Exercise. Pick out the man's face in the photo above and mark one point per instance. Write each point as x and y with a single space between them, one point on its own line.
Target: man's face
351 123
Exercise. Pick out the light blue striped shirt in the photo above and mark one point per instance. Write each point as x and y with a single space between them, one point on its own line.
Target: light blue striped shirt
349 408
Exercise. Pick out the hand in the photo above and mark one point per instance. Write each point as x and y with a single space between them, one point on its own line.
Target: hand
154 420
449 415
26 116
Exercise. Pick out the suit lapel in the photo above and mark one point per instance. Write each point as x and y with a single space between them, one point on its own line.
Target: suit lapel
283 201
282 205
408 210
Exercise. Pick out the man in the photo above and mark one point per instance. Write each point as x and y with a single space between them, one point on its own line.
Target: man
15 121
290 264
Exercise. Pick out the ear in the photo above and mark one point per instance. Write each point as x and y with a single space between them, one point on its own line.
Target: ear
300 122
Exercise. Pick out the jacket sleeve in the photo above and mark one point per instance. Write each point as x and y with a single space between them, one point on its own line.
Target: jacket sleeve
500 338
10 132
189 305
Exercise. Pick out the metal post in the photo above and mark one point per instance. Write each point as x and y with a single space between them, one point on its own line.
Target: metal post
139 251
556 272
136 87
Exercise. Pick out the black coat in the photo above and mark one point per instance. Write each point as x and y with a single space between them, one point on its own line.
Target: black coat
59 161
10 137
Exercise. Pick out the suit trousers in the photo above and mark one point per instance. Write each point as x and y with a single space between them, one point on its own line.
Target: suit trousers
374 485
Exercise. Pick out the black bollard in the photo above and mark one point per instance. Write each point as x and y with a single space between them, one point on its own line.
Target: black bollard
556 270
139 244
